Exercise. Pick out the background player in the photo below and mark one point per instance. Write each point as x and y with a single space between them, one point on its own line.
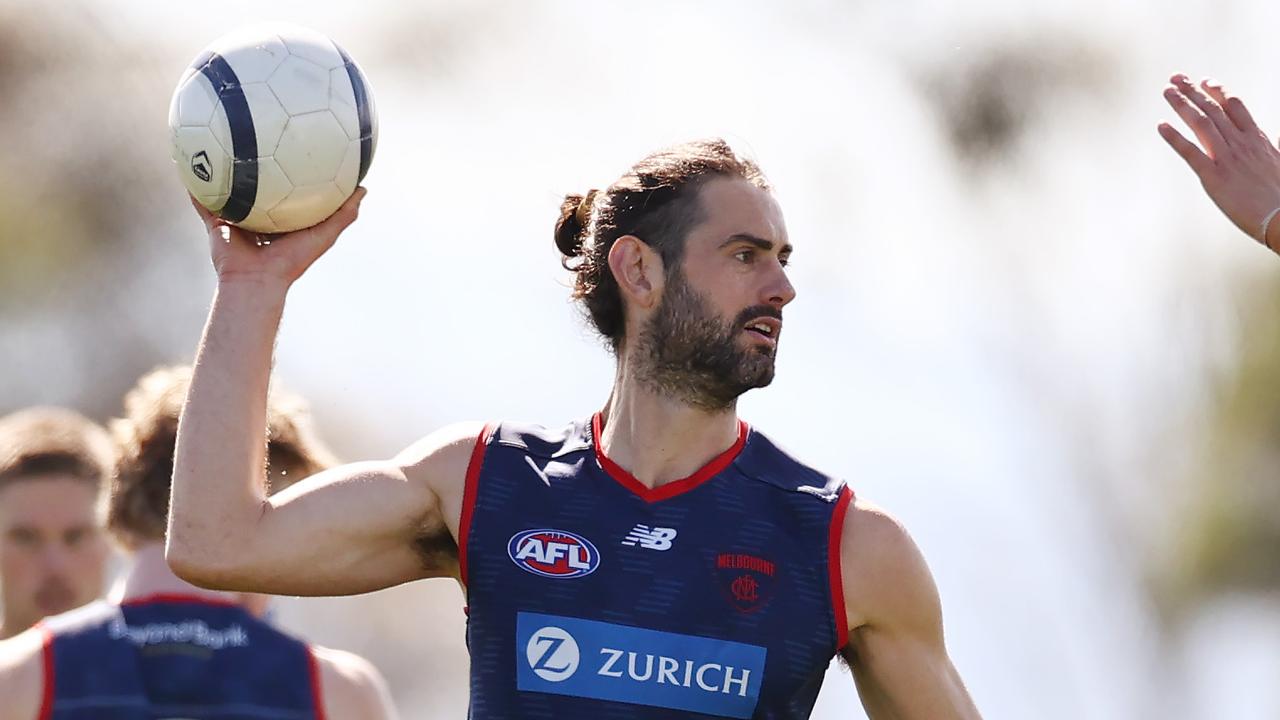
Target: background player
683 271
168 647
53 465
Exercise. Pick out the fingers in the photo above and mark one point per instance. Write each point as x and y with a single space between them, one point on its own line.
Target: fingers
1204 116
1193 155
347 213
1207 105
328 230
1234 107
206 216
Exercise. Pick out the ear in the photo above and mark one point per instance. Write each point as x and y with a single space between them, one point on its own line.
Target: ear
638 270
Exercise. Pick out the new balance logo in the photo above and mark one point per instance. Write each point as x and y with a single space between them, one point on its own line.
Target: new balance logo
658 538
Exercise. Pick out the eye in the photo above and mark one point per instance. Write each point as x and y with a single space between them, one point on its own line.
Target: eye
745 255
24 537
785 260
75 536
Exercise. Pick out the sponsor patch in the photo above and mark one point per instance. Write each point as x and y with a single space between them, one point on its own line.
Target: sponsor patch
585 658
553 553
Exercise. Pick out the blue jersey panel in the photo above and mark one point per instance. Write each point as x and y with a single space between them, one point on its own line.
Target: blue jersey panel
592 597
176 658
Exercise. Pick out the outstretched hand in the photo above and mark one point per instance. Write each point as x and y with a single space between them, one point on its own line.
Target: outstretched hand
1236 163
237 252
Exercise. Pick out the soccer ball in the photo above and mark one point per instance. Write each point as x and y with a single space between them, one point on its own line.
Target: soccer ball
272 128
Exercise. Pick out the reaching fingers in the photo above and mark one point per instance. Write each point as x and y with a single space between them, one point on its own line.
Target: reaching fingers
1210 139
1234 108
1214 127
1193 155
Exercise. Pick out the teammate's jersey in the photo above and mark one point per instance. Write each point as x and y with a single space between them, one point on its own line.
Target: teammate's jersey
175 657
592 597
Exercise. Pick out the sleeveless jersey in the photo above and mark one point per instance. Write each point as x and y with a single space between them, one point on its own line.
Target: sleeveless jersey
175 657
592 597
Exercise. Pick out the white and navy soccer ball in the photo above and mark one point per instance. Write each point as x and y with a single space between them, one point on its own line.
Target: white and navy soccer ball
273 127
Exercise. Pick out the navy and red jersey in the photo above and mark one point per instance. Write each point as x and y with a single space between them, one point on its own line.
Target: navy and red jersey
175 657
592 597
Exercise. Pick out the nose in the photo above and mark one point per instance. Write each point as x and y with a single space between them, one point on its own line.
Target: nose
779 291
54 558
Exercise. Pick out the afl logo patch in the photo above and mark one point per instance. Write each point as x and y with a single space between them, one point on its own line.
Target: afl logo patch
553 553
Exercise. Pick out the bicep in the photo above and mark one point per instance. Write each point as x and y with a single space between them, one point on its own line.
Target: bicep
897 650
906 677
347 530
360 527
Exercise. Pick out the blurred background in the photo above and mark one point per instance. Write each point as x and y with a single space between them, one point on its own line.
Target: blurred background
1020 325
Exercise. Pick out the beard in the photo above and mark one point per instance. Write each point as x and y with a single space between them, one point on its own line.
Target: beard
689 353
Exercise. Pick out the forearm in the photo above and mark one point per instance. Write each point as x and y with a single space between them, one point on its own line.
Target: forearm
218 480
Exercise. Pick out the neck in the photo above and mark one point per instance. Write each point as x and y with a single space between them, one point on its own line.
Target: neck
657 438
150 575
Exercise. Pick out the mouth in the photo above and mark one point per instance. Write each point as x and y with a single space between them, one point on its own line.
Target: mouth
766 329
54 598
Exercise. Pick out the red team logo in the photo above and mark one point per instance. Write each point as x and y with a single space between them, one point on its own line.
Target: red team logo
553 553
747 580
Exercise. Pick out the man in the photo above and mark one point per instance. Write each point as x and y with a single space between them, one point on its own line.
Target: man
53 464
658 559
169 649
1236 163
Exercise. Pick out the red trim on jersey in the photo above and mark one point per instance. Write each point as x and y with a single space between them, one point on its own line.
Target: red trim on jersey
46 701
469 496
317 692
676 487
833 567
166 598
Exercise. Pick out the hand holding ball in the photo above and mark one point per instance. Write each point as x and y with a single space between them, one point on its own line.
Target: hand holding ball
273 128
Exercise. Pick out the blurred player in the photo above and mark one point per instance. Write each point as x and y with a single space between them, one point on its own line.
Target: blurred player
53 467
169 649
1237 164
658 559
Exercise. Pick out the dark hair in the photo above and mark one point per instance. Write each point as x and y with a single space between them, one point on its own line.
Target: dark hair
138 505
44 441
657 201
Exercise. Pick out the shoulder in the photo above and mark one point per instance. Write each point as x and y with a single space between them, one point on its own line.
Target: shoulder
22 674
442 456
884 574
542 441
765 460
449 443
351 686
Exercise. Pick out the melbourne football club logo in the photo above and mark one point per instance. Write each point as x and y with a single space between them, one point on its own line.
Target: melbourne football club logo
552 654
747 581
553 553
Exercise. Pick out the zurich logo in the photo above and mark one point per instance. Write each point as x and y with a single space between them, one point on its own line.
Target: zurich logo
553 553
553 654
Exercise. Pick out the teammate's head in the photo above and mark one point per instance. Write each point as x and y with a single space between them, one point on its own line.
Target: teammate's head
138 503
674 261
53 465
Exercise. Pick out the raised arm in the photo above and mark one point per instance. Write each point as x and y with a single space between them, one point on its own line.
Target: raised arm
351 529
896 647
1236 163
